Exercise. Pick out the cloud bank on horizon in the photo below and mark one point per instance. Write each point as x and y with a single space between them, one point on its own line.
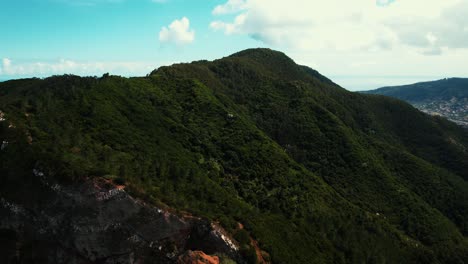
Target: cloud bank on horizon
63 66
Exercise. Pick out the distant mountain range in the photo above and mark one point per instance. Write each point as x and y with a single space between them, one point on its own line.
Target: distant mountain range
446 97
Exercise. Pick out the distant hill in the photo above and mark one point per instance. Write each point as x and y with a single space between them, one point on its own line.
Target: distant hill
446 97
294 168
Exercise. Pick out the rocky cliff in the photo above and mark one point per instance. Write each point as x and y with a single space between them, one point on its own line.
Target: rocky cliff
97 221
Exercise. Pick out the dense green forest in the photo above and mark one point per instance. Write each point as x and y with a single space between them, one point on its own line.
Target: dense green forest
315 173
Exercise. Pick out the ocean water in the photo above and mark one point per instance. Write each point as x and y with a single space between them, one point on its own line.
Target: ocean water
363 83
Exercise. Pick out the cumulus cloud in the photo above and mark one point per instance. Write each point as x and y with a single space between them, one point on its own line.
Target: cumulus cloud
6 63
425 26
178 32
448 30
230 7
63 66
384 2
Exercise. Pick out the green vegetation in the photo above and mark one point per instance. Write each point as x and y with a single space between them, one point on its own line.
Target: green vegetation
316 174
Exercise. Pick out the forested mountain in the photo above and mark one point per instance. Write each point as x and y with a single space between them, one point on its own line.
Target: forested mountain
275 153
446 97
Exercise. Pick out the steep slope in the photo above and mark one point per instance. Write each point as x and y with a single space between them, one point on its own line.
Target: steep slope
446 97
316 174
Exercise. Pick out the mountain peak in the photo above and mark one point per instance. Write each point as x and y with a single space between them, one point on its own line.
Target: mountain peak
264 55
258 52
280 64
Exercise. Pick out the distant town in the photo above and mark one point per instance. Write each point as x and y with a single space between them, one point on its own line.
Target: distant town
455 109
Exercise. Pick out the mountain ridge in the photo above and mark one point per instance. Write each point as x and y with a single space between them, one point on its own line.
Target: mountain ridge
446 97
315 173
440 89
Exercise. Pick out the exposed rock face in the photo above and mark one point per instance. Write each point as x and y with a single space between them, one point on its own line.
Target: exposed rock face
197 257
98 222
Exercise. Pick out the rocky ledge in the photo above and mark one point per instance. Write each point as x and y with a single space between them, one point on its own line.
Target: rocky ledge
97 221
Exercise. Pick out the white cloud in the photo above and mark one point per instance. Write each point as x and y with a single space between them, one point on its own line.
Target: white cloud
230 28
43 69
384 2
446 30
6 63
230 7
424 26
178 32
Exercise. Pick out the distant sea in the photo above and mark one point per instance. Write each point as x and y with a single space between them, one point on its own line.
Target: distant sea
362 83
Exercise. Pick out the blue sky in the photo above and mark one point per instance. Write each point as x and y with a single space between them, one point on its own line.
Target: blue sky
93 30
359 45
